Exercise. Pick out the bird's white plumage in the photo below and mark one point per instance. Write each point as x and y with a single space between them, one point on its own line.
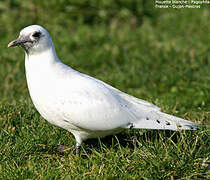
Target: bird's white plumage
83 105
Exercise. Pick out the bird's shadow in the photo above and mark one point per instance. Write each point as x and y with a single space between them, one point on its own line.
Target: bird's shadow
130 139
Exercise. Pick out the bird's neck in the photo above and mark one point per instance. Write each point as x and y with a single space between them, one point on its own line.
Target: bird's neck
41 65
42 58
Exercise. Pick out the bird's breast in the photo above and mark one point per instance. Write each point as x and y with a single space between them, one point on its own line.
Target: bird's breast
45 92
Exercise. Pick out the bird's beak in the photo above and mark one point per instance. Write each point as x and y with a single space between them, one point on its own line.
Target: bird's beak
16 42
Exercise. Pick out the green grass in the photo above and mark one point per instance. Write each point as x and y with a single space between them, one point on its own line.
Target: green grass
165 61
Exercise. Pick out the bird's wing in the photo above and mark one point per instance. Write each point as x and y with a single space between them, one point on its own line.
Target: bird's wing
90 105
95 105
129 98
152 119
146 115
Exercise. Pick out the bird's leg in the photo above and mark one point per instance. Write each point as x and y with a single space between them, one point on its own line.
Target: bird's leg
78 148
78 141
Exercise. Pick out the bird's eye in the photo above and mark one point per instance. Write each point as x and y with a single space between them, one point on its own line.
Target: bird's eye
36 34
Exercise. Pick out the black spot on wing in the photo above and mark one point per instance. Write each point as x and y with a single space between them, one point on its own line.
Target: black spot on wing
158 121
168 123
130 125
192 127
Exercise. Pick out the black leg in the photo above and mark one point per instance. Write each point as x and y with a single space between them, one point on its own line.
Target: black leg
77 149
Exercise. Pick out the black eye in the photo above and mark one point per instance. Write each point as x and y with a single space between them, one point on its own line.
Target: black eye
36 34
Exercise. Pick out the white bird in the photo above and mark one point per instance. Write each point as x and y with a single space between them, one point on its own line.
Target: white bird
83 105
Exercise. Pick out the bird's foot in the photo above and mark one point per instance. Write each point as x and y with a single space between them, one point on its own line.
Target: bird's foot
62 148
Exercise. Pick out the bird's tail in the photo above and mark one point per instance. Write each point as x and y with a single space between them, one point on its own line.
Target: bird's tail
160 120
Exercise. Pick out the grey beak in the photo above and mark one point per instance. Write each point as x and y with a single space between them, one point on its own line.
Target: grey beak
16 42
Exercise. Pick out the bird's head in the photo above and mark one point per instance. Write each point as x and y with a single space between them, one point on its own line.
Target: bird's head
34 39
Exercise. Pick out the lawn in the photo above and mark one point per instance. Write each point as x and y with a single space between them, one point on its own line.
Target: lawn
165 60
